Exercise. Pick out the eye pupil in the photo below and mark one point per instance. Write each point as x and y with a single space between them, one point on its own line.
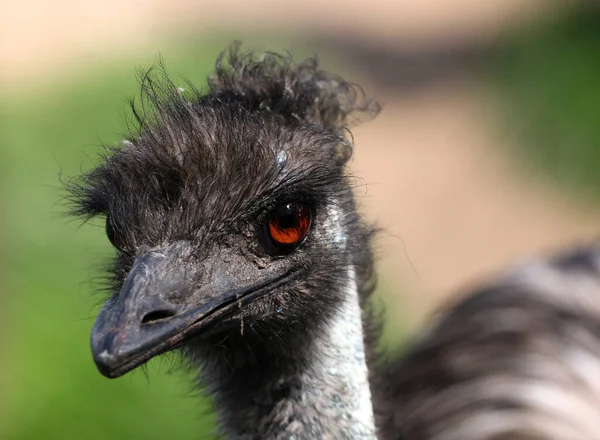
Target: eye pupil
288 225
287 217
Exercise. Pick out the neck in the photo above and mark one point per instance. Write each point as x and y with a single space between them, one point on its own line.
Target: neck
325 396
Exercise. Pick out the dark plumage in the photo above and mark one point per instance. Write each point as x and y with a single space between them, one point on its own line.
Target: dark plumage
238 241
519 358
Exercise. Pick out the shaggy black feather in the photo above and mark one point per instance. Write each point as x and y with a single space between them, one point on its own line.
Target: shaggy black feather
204 169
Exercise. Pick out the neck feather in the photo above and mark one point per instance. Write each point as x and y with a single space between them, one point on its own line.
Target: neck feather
338 385
324 397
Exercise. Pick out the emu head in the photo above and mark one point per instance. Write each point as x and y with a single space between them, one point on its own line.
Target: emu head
230 212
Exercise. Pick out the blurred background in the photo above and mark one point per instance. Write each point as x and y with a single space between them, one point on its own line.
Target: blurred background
487 151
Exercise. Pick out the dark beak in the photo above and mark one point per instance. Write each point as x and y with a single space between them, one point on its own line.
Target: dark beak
161 304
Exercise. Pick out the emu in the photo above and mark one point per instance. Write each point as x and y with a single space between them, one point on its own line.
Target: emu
238 242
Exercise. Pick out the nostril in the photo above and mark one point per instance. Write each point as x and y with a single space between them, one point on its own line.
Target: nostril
156 316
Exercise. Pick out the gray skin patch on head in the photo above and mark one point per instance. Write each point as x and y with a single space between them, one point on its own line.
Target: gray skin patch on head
282 158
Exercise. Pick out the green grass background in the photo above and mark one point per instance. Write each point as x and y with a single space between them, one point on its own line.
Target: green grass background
51 389
547 77
549 80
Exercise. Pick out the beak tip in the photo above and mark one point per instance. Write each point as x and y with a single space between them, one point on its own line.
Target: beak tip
104 355
104 361
116 353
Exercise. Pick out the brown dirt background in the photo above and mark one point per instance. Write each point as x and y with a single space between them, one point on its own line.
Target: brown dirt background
438 181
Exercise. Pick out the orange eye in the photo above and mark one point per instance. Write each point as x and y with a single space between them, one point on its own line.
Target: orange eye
288 225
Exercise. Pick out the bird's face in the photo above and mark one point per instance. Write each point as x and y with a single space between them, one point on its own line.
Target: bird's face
237 225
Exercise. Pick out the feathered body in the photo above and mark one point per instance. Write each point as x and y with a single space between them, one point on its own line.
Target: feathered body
282 335
517 359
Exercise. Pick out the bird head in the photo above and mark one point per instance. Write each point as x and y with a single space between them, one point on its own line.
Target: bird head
230 211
